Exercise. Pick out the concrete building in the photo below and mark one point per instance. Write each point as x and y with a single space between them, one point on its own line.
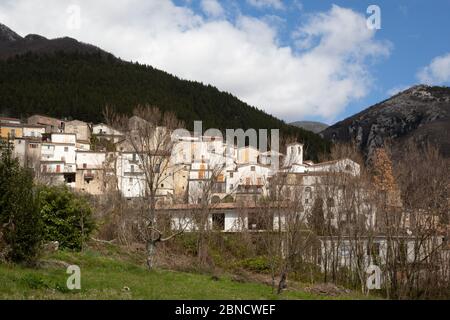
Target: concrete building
7 120
80 128
11 130
51 124
91 170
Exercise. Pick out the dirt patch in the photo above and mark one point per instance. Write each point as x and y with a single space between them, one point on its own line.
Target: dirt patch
327 289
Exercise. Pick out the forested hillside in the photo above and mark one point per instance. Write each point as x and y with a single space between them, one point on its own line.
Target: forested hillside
80 85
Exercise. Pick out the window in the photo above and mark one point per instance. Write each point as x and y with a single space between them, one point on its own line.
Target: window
66 149
253 168
247 181
231 174
345 250
13 133
84 165
373 249
132 168
259 182
218 221
308 190
299 150
130 181
260 222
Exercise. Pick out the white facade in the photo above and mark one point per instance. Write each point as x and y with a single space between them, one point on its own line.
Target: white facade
90 160
247 155
70 138
30 131
294 154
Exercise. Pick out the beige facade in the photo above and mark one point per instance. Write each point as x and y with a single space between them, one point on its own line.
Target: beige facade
90 181
79 128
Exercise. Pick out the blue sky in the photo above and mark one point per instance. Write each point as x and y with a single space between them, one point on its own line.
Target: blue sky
297 60
418 31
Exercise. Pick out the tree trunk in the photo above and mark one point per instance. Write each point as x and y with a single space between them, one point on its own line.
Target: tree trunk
151 253
282 284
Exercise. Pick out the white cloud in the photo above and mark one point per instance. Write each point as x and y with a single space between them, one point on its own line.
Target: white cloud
212 8
242 57
437 72
276 4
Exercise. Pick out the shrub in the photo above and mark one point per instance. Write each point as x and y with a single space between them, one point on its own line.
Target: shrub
20 221
257 264
67 217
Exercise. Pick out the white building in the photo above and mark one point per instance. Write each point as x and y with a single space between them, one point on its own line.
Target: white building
33 131
103 131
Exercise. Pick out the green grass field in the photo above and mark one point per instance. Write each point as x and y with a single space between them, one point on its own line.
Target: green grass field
111 276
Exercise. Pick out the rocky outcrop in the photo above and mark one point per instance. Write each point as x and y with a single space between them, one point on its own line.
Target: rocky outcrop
421 113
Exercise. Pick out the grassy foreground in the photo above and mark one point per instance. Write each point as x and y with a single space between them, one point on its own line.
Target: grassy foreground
108 276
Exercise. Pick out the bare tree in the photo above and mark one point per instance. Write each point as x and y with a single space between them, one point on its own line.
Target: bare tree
148 136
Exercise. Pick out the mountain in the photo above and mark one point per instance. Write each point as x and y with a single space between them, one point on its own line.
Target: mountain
312 126
421 114
69 79
11 44
7 35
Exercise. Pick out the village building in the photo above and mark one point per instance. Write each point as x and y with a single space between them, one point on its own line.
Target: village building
247 155
33 131
7 120
80 128
51 124
91 171
11 131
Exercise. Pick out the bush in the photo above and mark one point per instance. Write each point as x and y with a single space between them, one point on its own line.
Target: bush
67 217
257 264
20 221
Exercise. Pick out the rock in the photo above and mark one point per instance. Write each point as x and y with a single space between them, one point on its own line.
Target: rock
327 289
52 264
237 278
51 246
215 278
421 114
